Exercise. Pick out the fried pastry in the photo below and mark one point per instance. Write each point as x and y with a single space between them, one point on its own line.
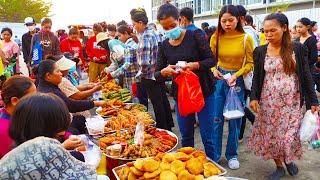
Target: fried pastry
210 170
150 165
177 166
168 175
169 157
194 166
165 166
136 171
185 175
186 150
151 175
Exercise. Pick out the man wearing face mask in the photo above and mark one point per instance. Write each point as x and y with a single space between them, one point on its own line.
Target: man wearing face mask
27 37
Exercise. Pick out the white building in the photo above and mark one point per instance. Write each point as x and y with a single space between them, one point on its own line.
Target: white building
208 10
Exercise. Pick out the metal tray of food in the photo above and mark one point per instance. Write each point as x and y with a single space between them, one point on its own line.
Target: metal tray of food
222 169
126 159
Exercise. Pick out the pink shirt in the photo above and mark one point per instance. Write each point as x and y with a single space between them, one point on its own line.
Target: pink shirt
9 49
5 140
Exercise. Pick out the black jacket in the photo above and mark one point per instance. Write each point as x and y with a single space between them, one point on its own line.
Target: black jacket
194 47
73 105
307 90
26 45
311 44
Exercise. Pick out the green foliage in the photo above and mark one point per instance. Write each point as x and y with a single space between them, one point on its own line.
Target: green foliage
18 10
280 8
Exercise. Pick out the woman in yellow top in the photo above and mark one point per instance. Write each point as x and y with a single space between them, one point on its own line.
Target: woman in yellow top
262 37
227 45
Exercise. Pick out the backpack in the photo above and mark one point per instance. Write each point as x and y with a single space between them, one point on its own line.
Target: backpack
36 50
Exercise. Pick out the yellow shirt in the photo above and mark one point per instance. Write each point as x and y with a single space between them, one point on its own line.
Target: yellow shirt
231 53
1 63
262 38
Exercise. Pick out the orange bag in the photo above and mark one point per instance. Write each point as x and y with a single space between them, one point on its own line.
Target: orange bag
190 97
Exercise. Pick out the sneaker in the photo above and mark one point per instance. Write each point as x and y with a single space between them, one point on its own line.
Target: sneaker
234 164
241 140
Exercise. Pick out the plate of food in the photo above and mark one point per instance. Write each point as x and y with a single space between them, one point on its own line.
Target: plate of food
186 163
121 146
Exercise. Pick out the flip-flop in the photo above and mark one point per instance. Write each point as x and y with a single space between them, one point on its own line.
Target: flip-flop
292 169
278 174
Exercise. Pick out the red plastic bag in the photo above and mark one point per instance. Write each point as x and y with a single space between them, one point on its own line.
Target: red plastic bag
190 97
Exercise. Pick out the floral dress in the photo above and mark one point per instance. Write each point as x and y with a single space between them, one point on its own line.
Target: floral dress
275 132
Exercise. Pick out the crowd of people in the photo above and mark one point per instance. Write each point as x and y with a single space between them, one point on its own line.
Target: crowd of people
283 61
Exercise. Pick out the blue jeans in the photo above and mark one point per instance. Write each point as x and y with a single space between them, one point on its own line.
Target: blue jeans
205 117
220 94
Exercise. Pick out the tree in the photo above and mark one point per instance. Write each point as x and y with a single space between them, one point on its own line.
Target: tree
18 10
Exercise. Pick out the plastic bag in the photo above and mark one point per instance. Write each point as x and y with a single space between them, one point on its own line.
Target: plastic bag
139 134
233 108
309 126
190 97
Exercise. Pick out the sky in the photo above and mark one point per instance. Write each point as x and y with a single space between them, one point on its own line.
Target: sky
67 12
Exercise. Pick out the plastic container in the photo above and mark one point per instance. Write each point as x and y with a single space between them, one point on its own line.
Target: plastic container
233 114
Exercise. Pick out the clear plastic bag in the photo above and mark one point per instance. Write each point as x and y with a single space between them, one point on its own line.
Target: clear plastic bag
233 108
309 126
139 134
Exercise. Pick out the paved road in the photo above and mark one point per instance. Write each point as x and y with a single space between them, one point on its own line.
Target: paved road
252 167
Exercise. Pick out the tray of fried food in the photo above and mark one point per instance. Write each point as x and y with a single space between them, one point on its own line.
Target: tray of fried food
135 106
186 163
109 86
128 119
110 109
121 145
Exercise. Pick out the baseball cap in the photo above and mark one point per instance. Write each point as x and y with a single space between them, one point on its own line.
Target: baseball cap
29 20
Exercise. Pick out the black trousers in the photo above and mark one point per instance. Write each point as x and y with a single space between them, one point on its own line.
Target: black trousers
247 115
161 106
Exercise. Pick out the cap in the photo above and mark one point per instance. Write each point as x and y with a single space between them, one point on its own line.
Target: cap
102 36
65 64
29 20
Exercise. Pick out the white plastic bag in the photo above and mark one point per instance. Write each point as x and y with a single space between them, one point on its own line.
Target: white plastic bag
139 134
233 108
309 126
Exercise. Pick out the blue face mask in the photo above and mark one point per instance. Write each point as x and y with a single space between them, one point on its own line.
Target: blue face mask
174 33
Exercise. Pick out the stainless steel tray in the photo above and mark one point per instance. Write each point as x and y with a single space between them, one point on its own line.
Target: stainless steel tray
223 170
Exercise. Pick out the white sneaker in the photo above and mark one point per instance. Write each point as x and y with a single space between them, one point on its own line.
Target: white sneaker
234 164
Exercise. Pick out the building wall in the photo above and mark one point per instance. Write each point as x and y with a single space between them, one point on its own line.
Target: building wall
294 12
207 10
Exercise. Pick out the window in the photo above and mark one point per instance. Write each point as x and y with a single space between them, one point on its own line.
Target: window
225 2
251 2
206 5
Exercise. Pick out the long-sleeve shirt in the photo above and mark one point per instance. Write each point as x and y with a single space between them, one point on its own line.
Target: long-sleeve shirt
49 42
147 54
73 105
231 52
116 55
93 50
130 67
193 48
26 45
311 44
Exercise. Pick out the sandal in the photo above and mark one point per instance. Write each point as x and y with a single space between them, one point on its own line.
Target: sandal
292 169
279 173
